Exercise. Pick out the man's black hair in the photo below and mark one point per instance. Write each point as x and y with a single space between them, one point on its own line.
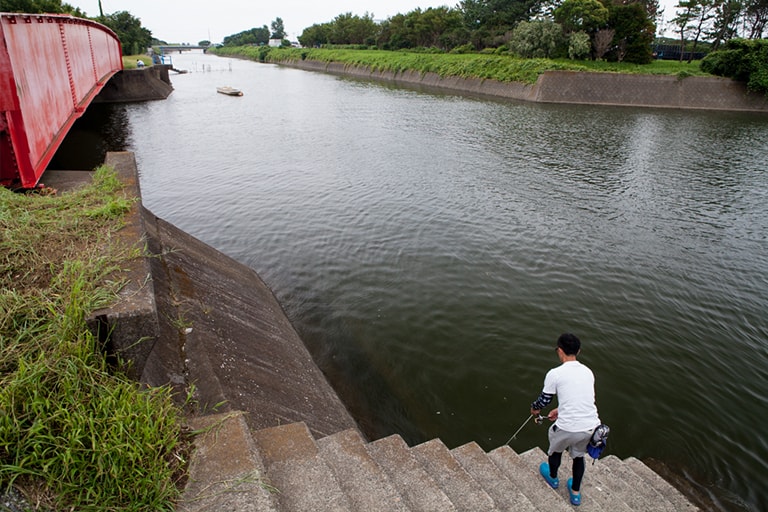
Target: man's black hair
569 343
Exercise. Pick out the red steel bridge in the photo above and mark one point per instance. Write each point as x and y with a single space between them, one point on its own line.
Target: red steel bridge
51 67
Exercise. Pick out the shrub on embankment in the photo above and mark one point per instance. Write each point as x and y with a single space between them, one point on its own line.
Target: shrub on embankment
74 434
503 68
745 60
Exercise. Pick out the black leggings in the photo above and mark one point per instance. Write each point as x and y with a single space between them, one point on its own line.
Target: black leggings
578 469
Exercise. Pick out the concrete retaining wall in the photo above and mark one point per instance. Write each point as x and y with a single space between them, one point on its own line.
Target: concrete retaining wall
573 87
152 83
662 91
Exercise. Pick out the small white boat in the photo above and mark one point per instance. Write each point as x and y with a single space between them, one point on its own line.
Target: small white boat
229 91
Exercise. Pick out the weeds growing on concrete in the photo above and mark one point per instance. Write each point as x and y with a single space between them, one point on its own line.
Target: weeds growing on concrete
73 434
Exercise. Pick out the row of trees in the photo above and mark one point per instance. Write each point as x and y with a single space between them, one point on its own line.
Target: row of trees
535 28
133 36
257 36
718 21
588 29
613 29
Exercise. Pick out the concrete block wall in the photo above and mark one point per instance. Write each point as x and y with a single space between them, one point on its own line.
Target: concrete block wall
574 87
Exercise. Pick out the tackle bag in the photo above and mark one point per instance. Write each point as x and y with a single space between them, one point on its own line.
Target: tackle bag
598 441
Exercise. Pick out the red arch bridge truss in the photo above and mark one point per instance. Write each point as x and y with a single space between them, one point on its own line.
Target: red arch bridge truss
51 68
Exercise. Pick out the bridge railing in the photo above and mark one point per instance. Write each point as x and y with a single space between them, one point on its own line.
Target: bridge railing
51 67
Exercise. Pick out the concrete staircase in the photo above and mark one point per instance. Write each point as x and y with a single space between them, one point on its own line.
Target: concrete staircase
285 469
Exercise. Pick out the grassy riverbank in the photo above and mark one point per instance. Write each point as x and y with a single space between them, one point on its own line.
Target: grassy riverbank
74 435
131 61
504 68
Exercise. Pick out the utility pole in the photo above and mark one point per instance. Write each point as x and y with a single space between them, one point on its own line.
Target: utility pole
101 11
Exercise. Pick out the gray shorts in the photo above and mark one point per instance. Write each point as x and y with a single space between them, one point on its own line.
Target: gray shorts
575 442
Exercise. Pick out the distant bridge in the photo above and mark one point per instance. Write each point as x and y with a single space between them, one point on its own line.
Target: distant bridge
51 68
179 48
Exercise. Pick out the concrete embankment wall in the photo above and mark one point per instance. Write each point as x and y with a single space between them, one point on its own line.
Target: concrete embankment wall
150 83
223 330
192 316
573 87
662 91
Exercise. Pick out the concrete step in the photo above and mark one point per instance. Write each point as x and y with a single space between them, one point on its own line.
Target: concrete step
505 494
362 480
463 491
293 465
672 495
225 472
517 468
284 469
609 489
639 495
418 488
611 475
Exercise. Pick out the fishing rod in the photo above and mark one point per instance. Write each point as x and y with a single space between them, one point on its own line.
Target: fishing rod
538 420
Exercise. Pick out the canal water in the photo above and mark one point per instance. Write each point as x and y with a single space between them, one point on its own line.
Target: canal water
430 248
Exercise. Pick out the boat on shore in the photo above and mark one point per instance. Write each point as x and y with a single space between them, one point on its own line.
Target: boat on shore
229 91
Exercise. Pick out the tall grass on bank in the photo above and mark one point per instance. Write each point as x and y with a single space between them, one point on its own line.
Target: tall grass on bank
74 435
503 68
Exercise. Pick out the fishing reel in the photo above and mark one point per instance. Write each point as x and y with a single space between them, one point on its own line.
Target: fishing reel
538 420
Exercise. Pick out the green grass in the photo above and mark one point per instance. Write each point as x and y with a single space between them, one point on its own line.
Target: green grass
74 435
656 67
504 68
129 61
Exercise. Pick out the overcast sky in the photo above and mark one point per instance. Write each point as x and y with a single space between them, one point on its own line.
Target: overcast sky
190 21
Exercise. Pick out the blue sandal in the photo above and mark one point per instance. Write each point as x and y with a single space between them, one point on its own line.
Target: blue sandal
544 470
575 497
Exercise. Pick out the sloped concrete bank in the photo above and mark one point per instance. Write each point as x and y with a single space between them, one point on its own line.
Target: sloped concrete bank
223 330
191 316
574 87
150 83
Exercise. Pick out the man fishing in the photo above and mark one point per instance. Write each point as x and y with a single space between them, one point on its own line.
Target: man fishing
575 416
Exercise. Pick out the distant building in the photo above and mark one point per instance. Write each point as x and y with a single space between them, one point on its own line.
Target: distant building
275 42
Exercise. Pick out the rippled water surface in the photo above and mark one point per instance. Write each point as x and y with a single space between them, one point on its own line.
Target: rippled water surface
430 249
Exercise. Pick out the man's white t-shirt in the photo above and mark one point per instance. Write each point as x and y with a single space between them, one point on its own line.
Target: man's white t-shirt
574 385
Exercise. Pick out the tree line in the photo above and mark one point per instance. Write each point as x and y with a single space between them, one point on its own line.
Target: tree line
619 30
718 21
257 36
530 28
